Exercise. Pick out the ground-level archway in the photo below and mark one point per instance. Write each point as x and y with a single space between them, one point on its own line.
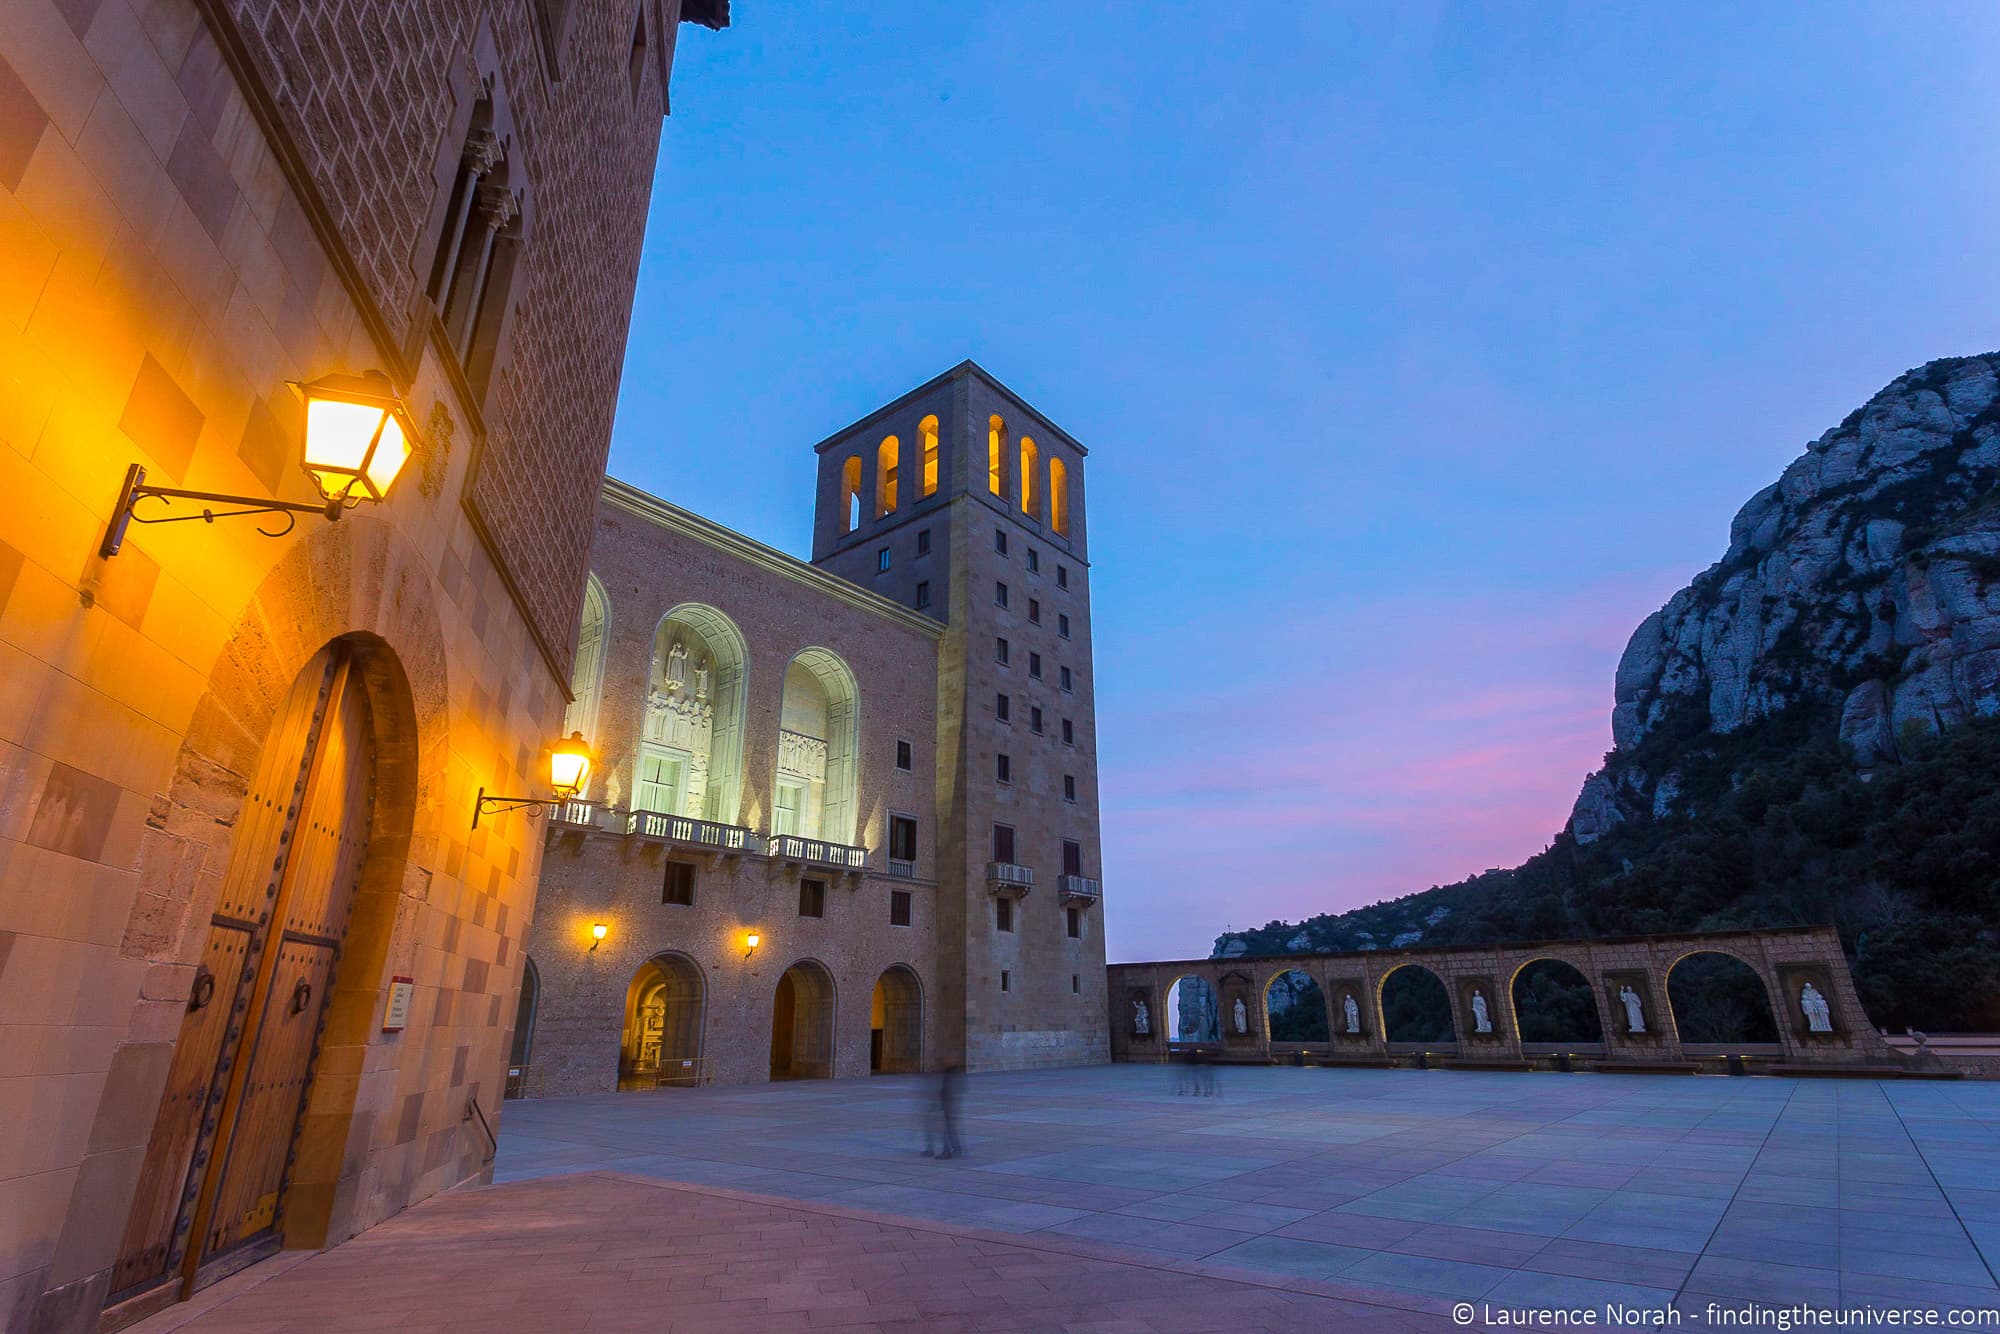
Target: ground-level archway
521 1048
1415 1006
1295 1008
1192 1011
1718 998
802 1023
218 1168
896 1024
1554 1003
661 1042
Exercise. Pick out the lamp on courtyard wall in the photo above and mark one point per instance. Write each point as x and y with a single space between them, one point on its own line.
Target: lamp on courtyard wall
569 767
598 931
358 436
751 940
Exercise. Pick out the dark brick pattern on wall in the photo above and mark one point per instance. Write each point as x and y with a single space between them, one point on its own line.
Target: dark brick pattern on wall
365 88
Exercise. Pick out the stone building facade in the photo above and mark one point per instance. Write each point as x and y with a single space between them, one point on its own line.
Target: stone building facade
257 967
818 754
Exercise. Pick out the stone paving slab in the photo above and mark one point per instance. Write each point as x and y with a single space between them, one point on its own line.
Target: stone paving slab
1433 1184
606 1251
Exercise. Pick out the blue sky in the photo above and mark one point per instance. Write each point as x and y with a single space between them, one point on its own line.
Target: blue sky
1422 351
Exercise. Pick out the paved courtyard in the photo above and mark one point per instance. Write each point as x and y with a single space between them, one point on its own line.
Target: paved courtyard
1100 1199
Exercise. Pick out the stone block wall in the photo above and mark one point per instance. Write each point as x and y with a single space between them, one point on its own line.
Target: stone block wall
200 201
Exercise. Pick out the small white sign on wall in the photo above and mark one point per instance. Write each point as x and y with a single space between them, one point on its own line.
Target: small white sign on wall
398 1014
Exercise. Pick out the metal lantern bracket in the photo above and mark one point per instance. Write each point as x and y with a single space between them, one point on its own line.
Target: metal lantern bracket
136 490
486 805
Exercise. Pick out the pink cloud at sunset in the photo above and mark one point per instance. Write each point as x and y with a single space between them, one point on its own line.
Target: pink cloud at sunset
1415 745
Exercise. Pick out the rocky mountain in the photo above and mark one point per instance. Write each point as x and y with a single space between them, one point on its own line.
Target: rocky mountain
1866 578
1809 731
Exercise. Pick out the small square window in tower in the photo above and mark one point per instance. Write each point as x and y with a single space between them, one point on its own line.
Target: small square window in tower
1072 857
1062 576
902 838
882 561
923 541
999 593
1000 649
1003 843
1069 732
1003 914
1034 560
1075 980
679 886
1003 707
1035 611
812 898
1073 924
1062 624
899 907
1069 787
1068 682
903 756
1035 719
1006 976
1035 665
1000 540
923 593
1003 768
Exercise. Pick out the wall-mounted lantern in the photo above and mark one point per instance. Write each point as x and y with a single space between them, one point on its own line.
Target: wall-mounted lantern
569 767
358 436
598 931
751 940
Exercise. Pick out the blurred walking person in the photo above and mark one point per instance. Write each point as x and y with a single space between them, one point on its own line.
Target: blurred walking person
941 1129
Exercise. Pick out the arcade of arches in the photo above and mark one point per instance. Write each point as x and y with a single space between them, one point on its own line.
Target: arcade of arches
1782 997
666 1021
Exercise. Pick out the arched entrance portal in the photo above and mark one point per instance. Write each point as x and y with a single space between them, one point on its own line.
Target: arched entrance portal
896 1024
802 1023
213 1187
1719 999
521 1050
661 1044
1415 1007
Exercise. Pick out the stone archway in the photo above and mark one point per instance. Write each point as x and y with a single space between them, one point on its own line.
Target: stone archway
896 1023
290 962
1414 1006
1719 999
660 1044
802 1023
1555 1006
1193 1010
1295 1008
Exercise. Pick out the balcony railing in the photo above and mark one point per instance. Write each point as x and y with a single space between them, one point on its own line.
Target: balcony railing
1007 877
1079 889
575 814
906 869
818 851
692 832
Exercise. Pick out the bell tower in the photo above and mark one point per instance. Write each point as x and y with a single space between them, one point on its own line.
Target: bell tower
961 501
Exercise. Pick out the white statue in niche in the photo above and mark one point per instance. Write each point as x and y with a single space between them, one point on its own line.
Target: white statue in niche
1482 1022
1635 1010
1352 1011
701 682
677 668
1142 1018
1242 1016
1819 1015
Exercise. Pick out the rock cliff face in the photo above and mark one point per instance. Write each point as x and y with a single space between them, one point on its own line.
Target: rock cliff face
1863 584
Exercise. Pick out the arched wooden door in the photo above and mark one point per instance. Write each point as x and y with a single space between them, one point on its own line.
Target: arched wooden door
211 1194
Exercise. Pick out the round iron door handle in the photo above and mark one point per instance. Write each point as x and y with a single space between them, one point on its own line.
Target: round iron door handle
301 996
203 990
